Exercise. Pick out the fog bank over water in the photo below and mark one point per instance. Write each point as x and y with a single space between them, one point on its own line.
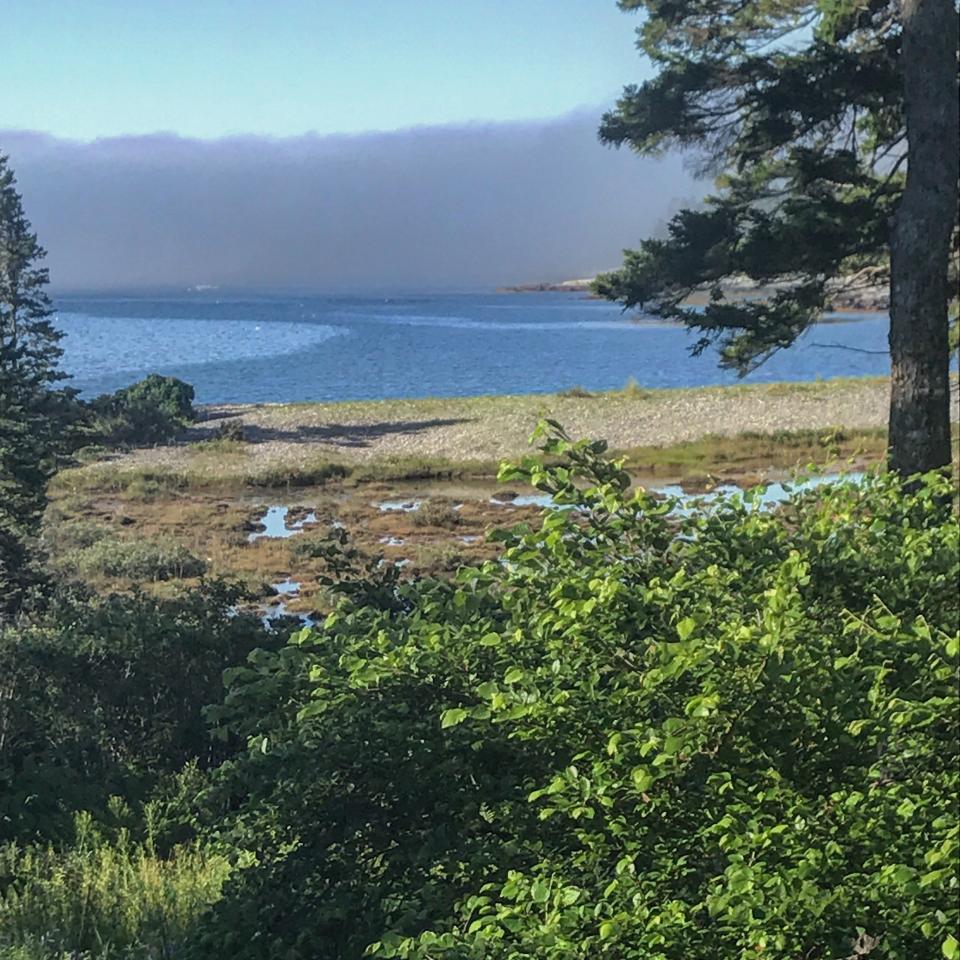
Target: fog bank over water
432 208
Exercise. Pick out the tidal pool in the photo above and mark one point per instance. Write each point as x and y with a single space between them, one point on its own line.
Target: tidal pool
275 527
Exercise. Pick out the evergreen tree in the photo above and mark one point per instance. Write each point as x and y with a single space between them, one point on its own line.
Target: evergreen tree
33 412
833 127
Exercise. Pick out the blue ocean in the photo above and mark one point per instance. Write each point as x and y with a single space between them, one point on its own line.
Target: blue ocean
262 349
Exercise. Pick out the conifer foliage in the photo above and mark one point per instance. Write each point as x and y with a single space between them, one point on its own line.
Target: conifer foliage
33 411
832 130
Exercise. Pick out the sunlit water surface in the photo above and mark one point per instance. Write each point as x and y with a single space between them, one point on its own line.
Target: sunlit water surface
261 349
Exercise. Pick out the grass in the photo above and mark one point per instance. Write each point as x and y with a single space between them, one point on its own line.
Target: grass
139 483
495 404
309 472
456 438
101 898
218 446
419 467
751 451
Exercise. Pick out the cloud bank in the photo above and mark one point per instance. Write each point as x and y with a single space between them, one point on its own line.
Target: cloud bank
433 208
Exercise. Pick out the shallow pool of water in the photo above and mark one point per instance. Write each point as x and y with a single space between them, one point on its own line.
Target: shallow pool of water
772 494
287 588
275 526
399 506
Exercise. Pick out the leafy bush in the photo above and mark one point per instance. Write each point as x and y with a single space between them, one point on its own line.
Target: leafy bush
108 899
640 734
160 558
151 411
106 696
435 512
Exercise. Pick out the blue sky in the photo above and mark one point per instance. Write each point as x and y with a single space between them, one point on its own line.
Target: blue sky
208 68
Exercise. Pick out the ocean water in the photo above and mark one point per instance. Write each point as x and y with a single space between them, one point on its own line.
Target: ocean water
261 349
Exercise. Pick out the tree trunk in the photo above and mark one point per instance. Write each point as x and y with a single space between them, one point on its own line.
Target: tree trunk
920 242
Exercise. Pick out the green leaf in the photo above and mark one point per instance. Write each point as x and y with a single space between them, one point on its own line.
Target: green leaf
540 891
450 718
642 778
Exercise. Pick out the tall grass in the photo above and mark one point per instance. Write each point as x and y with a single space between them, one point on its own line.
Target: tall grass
101 898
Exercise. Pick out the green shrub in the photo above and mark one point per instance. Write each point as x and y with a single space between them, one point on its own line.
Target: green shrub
230 430
315 544
638 734
104 899
435 512
105 696
150 411
160 558
63 538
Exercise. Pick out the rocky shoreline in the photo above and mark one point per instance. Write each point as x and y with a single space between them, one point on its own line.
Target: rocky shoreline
857 295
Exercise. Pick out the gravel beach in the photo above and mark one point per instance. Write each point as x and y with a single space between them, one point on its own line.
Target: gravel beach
484 428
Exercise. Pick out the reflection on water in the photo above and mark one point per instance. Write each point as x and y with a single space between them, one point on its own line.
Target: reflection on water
287 588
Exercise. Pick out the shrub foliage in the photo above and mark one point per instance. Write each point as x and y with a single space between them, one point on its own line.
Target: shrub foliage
153 410
643 733
105 697
159 558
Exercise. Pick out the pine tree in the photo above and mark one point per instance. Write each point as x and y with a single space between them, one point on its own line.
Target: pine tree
33 411
832 126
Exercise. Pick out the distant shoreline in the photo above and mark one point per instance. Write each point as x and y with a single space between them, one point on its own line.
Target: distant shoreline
865 299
